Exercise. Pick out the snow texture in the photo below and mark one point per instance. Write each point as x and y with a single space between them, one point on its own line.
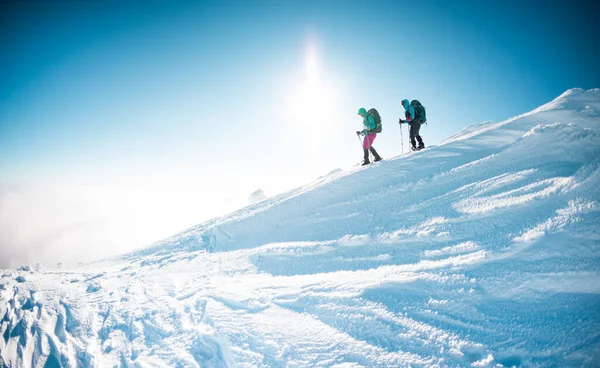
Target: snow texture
257 196
482 251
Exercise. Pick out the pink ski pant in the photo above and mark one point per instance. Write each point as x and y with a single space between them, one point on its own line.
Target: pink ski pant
368 141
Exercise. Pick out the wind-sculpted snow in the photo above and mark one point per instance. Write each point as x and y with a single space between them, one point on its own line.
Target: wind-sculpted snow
482 251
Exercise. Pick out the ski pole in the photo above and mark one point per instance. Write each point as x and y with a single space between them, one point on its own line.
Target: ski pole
358 136
362 144
368 143
401 138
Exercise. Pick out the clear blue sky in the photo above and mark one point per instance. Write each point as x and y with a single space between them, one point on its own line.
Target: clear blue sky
87 83
232 96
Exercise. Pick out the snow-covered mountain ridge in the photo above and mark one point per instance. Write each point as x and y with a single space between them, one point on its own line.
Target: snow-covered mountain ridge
481 251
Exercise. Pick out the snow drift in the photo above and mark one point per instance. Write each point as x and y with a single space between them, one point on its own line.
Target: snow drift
481 251
257 196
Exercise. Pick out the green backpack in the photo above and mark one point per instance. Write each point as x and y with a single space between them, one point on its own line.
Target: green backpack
375 114
420 114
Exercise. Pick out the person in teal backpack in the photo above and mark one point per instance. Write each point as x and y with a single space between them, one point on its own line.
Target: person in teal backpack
372 126
414 114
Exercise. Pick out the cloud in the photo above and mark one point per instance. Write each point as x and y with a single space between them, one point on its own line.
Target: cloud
37 225
16 251
77 223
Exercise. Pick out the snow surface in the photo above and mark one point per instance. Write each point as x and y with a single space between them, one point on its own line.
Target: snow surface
257 196
482 251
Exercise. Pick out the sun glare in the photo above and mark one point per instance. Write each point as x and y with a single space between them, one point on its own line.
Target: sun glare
311 99
312 68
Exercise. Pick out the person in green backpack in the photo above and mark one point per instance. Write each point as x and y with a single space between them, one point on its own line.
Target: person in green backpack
372 126
414 113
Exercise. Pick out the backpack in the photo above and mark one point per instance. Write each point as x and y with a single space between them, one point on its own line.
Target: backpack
420 114
377 119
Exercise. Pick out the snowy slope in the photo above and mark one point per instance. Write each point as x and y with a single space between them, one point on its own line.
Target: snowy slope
481 251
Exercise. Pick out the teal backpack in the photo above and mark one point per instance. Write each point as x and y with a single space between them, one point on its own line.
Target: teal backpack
420 114
375 114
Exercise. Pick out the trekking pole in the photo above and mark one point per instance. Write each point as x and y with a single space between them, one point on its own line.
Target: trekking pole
362 144
367 140
358 136
401 139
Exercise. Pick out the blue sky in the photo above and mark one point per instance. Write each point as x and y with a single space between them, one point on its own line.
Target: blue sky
222 97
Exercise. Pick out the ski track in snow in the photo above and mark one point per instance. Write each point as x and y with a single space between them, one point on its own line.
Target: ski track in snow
482 251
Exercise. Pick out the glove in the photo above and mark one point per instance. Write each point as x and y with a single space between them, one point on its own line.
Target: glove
358 132
400 121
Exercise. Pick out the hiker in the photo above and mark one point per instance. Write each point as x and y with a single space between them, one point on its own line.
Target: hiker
372 124
415 116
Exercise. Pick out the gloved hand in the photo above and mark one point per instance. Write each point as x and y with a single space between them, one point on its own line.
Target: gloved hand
358 132
400 121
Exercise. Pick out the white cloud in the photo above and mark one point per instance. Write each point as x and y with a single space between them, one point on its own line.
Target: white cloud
74 224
